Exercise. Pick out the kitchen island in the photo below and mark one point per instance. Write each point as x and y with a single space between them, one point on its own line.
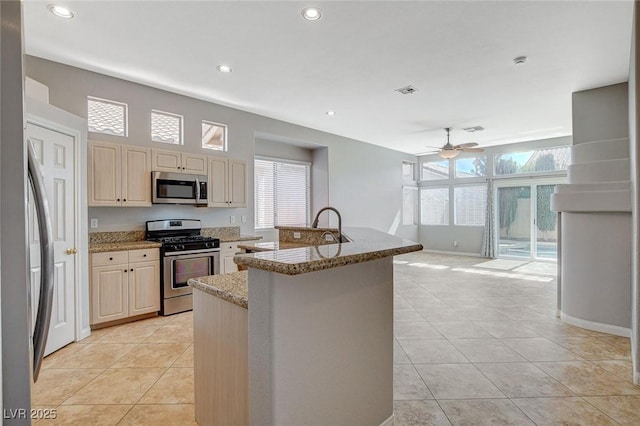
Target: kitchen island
305 336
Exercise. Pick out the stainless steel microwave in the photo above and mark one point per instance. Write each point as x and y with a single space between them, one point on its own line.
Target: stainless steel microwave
179 188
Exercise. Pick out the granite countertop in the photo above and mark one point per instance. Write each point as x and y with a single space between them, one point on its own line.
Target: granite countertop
122 245
229 238
366 245
270 246
230 287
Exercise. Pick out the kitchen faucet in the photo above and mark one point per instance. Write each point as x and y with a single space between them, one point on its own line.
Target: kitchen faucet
315 221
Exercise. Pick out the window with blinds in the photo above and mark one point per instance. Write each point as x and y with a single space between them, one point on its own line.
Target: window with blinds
282 193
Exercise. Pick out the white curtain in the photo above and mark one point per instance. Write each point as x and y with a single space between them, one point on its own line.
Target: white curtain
489 241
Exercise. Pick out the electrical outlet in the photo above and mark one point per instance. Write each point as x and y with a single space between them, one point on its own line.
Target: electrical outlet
243 219
296 235
455 244
94 223
232 219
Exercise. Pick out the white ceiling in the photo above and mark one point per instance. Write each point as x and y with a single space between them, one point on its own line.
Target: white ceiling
458 54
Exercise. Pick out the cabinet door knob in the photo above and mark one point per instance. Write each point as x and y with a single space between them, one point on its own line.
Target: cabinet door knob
144 255
125 270
131 269
111 258
125 200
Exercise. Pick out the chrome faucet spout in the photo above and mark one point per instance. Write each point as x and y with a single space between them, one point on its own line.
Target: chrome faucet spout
314 224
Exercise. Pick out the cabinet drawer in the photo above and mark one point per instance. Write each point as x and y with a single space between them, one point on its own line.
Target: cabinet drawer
109 258
232 247
144 255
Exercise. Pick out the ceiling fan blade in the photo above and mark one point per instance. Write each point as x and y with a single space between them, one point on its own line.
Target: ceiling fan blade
467 145
472 149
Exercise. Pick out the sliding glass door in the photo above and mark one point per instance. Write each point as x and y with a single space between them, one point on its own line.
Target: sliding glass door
526 228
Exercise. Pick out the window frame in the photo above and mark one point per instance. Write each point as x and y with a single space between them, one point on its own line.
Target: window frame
125 106
560 172
455 204
225 142
416 209
308 166
448 204
422 163
167 114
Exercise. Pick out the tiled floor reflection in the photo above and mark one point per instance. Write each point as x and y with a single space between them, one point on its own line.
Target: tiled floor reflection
484 339
470 349
139 373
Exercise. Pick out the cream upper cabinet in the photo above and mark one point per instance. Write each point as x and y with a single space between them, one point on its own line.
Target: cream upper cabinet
136 176
119 175
175 161
227 182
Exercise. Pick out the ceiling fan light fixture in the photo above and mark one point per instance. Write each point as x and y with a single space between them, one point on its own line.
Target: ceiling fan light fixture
449 153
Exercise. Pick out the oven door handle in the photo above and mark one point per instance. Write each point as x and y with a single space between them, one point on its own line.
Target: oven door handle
190 252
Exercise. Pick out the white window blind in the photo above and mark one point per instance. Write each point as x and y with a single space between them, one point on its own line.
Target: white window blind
434 206
470 205
282 193
409 205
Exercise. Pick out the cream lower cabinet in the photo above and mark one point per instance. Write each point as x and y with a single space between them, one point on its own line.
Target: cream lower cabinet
119 175
227 251
227 182
124 284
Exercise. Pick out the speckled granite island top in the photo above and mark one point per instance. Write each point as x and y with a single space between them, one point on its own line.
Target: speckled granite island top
230 287
122 245
366 245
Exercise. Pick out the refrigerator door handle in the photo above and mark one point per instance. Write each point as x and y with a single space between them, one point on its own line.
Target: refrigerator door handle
43 318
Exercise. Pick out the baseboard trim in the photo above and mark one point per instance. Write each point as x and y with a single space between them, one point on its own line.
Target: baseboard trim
388 422
455 253
636 378
596 326
84 333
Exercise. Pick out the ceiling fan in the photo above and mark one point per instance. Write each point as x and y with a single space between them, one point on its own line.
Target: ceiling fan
452 151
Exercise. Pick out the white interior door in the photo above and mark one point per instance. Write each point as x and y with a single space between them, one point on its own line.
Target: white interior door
55 154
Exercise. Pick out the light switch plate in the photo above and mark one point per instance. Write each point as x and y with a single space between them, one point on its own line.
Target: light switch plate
243 219
232 219
296 235
94 223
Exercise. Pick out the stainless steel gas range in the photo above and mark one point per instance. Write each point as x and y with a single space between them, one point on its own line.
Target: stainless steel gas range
185 254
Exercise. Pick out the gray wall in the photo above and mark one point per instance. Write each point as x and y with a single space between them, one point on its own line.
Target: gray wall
364 181
469 238
634 139
600 114
16 365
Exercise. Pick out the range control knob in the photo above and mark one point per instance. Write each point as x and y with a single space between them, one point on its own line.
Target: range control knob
207 245
180 247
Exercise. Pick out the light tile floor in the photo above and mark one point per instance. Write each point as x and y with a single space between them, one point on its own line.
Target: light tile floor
473 346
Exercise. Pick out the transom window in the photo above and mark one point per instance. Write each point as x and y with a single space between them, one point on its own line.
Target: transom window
214 136
538 161
435 170
105 116
166 127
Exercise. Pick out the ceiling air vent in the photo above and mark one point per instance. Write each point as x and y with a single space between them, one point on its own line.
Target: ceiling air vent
407 90
473 129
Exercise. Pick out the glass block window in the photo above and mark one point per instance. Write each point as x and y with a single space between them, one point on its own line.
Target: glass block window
435 170
166 127
538 161
105 116
214 136
470 205
434 206
409 205
471 167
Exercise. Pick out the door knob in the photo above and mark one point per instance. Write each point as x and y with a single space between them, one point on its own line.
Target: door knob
71 251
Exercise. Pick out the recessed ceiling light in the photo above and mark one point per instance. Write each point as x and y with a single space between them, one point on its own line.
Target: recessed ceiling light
331 113
224 68
311 14
60 11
